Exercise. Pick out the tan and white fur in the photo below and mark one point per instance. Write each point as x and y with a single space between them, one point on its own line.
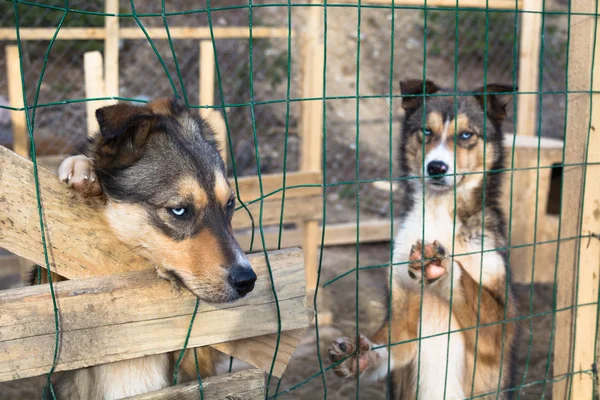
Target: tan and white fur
156 174
450 292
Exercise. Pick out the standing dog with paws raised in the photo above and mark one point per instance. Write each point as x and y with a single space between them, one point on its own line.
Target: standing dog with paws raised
450 293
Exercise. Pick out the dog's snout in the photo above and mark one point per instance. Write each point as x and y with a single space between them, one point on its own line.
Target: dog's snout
437 169
242 278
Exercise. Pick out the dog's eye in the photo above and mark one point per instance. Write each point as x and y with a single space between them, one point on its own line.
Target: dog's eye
230 204
466 135
178 212
427 132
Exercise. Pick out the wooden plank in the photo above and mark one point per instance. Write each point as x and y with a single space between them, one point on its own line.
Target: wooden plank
258 32
492 4
529 65
94 88
589 256
262 350
249 186
21 143
575 269
301 204
296 209
207 75
311 128
247 385
111 49
72 255
371 231
15 98
207 96
93 251
119 317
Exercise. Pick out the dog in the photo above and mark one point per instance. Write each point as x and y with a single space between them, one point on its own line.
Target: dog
450 291
156 173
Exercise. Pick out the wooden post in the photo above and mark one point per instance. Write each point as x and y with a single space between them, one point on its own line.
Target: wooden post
578 267
207 95
529 67
19 123
311 131
94 87
111 49
15 97
207 75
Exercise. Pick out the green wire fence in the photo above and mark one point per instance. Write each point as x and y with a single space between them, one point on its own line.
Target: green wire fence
556 354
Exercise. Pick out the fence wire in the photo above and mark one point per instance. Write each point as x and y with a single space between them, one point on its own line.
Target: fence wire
260 100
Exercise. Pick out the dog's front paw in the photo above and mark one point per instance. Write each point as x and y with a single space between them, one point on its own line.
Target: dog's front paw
430 259
78 173
345 349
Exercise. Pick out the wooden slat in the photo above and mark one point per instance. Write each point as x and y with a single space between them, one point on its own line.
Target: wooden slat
207 96
311 127
94 88
92 251
15 97
119 317
529 66
258 32
492 4
111 49
262 350
247 385
207 75
73 251
250 190
577 280
296 209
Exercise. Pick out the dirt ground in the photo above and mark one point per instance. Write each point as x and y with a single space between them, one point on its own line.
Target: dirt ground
339 298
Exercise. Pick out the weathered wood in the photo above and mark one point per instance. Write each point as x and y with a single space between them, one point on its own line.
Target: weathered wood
207 75
262 350
247 385
529 66
15 98
94 88
258 32
207 96
111 49
93 251
118 317
492 4
311 127
577 280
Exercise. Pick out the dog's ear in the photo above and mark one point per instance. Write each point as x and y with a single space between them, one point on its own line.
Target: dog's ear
498 96
412 93
124 132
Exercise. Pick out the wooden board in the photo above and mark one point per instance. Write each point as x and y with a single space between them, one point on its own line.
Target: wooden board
261 352
577 280
246 385
492 4
88 250
15 96
94 88
258 32
529 66
119 317
111 49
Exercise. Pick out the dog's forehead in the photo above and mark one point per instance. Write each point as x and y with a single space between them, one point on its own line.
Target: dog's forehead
445 108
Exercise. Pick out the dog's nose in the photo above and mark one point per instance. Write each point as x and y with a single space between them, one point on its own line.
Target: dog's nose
437 169
242 278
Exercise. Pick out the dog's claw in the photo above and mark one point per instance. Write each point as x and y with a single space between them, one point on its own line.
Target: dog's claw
428 258
78 173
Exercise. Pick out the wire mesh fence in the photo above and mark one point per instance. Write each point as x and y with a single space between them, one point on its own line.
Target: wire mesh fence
368 50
